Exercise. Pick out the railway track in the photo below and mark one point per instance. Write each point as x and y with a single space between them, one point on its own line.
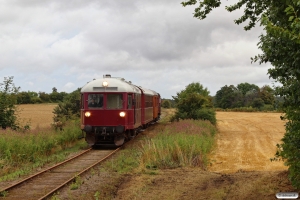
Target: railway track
45 183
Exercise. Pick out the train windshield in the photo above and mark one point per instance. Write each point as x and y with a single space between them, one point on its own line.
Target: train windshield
95 100
114 101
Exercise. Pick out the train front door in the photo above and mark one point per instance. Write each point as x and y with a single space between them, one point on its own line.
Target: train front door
137 109
131 109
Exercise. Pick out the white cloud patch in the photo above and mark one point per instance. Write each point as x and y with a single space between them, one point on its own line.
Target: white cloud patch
68 87
157 44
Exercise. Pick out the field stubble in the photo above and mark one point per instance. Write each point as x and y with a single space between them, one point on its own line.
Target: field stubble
38 115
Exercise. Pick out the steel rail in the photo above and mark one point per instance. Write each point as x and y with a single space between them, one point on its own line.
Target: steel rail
71 179
48 169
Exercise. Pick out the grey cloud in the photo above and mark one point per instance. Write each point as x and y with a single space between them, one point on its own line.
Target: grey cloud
145 39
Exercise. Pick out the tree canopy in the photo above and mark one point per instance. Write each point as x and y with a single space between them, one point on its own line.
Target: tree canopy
192 88
8 100
194 102
281 47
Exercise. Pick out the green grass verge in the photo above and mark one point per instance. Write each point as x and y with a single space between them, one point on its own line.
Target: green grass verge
23 152
181 144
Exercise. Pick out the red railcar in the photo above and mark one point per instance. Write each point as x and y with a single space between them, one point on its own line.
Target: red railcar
113 110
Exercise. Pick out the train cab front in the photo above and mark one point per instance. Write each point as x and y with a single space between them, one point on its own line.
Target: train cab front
104 119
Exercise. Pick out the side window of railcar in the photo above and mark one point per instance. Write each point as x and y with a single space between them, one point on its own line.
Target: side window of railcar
114 101
95 100
129 106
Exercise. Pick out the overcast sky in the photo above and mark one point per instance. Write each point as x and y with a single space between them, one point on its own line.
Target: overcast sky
156 44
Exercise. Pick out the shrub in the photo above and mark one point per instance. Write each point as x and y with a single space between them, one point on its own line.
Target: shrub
166 104
67 109
8 100
193 107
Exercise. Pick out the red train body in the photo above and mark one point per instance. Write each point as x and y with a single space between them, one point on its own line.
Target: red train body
114 110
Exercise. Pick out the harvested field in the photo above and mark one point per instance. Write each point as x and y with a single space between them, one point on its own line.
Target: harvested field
247 141
38 115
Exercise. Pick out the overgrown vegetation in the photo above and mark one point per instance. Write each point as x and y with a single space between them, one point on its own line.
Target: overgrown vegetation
20 152
185 143
280 46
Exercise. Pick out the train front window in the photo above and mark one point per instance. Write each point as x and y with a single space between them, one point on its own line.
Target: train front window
95 100
114 101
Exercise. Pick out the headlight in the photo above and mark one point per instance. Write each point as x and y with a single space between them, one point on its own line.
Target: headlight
87 114
122 114
105 83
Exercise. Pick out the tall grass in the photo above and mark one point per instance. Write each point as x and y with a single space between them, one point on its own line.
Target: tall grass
183 143
34 148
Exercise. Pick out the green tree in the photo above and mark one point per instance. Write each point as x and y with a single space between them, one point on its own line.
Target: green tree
228 97
54 90
250 96
194 88
166 103
267 95
247 87
258 103
44 97
67 109
23 98
281 47
194 103
8 99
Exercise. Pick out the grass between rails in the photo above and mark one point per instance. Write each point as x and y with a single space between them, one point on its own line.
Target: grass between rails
20 153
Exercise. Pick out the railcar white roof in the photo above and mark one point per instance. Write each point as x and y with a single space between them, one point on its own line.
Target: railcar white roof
114 85
147 91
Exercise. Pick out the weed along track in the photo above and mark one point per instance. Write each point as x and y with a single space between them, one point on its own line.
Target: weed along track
45 183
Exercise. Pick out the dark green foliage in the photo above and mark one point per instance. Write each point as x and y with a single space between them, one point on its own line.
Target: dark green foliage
244 95
23 98
44 97
245 88
191 88
194 103
166 103
258 103
8 100
35 100
267 95
56 97
67 109
228 97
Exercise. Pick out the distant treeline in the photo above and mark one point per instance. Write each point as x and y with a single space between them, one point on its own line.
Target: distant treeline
31 97
245 96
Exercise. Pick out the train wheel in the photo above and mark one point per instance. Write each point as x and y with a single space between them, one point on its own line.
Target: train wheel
132 134
119 140
90 138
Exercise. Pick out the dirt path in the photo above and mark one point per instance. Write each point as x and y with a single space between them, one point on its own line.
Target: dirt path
247 141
